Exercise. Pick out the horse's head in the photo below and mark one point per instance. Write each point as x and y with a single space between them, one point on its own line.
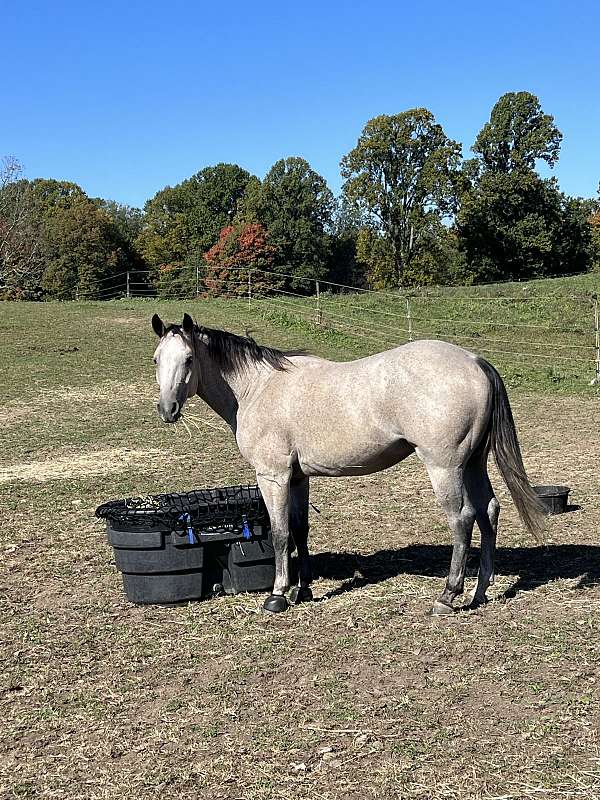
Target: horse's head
176 366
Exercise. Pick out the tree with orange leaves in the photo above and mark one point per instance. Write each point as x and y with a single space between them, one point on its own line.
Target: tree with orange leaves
241 249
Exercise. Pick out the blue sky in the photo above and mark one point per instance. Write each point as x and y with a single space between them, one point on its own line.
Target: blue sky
125 98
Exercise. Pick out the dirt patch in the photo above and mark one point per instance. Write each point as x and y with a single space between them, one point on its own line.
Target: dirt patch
49 402
128 321
357 696
76 465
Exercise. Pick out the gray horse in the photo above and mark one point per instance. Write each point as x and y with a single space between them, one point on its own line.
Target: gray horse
295 415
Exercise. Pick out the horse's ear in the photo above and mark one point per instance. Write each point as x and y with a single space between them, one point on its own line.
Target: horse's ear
158 326
188 324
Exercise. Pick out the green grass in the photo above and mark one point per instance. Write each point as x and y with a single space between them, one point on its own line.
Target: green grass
540 334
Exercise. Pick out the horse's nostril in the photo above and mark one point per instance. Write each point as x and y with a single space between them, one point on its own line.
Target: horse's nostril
168 412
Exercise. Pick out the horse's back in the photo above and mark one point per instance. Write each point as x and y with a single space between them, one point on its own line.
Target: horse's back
423 369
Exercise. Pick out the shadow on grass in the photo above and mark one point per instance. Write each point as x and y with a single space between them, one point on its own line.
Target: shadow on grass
535 566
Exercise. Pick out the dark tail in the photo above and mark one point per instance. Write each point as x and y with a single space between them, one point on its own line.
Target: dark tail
505 446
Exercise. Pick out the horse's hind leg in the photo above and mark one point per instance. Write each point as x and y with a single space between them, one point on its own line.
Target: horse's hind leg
299 493
487 509
450 491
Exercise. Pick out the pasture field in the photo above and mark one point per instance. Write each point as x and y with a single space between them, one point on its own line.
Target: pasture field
358 695
541 333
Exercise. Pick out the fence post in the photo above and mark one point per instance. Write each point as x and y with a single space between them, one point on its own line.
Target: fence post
197 281
409 319
596 378
319 317
128 294
249 287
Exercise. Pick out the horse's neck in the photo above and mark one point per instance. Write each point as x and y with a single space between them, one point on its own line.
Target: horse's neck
224 393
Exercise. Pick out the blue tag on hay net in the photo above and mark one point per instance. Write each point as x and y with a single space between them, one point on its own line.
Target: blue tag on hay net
246 532
190 531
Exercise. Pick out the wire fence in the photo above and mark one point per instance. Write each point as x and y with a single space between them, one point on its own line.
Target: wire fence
557 333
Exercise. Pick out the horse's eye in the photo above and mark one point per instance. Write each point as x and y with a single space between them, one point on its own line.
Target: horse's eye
189 360
155 360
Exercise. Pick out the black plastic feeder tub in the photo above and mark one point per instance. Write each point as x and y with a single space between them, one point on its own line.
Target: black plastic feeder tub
172 548
553 498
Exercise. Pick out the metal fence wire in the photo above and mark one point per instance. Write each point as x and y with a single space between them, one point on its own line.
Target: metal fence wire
558 333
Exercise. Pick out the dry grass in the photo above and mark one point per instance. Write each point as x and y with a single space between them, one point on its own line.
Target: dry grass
358 695
74 465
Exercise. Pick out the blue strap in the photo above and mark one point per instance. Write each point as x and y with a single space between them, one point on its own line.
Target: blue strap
246 532
190 531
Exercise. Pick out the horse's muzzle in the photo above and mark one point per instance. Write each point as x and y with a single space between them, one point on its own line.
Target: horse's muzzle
169 412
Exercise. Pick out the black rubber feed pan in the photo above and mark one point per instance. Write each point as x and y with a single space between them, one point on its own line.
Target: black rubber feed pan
554 498
173 548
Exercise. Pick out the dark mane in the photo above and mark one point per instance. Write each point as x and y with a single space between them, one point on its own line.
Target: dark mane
232 353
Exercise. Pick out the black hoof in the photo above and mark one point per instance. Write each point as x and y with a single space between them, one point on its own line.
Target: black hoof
301 594
476 602
275 604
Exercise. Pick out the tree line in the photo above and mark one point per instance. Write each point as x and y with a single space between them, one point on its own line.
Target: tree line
412 211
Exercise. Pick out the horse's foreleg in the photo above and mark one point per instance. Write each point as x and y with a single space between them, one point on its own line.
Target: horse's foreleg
299 492
449 488
275 489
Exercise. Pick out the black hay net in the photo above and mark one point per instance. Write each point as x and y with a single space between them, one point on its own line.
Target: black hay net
206 509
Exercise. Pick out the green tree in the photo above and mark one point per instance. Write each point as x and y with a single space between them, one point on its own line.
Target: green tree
404 174
376 255
517 135
214 196
184 221
437 261
513 224
594 221
345 267
66 246
165 237
129 220
83 247
574 246
21 262
295 206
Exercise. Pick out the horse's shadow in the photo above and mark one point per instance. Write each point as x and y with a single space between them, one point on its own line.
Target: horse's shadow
534 566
